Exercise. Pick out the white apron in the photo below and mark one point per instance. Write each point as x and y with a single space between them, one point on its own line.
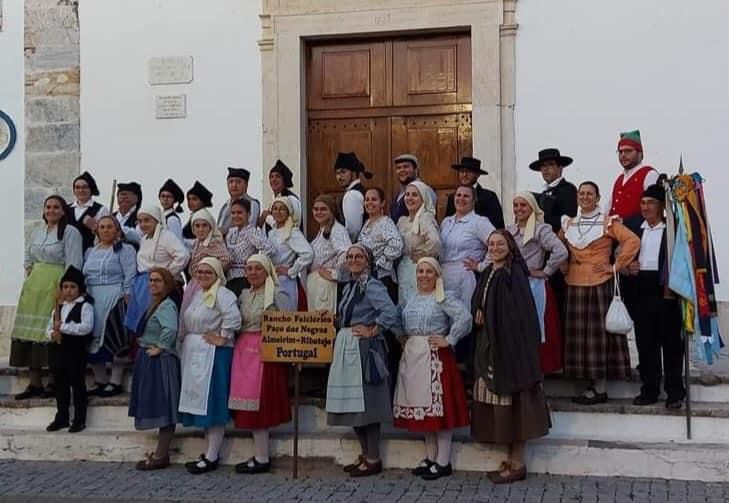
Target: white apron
321 293
539 292
413 377
458 279
345 389
197 370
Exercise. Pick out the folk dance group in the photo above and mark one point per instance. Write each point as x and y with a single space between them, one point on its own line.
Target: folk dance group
523 301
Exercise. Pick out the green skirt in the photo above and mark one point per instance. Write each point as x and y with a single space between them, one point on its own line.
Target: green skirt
37 300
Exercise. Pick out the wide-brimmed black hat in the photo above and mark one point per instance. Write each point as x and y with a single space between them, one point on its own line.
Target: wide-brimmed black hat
550 154
132 187
202 193
349 160
90 181
74 275
239 173
284 171
470 164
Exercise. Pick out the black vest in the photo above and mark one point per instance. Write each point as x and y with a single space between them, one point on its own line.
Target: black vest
172 215
187 231
74 315
87 235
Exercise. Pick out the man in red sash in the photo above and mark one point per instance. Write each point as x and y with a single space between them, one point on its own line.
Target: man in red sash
636 177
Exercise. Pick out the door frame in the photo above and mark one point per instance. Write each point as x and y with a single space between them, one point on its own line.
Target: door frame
288 24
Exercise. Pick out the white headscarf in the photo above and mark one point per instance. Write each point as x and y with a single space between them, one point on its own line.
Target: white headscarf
426 206
439 289
271 280
537 216
289 224
156 213
211 294
204 214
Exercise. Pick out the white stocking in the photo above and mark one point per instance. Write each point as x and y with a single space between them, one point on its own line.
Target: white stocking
260 442
444 447
215 436
431 445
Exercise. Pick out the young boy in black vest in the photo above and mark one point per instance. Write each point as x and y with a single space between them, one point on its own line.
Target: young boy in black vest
70 330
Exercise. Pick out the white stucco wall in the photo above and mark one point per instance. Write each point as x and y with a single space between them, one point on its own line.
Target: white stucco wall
588 70
12 168
120 137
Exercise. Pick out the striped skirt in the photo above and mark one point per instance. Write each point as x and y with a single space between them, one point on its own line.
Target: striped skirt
591 352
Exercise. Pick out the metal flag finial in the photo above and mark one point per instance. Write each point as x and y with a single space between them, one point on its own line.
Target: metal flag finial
680 165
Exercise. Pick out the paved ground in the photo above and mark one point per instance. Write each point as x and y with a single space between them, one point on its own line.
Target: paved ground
319 481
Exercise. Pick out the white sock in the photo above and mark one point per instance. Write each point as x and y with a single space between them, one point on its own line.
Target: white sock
444 447
100 375
117 371
260 442
431 445
215 435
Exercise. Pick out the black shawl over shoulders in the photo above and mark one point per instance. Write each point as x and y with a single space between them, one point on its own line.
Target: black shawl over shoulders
508 342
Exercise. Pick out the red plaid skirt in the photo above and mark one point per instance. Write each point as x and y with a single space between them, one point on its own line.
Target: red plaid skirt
590 351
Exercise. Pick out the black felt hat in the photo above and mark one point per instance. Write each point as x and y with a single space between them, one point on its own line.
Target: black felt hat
550 154
284 171
470 164
239 173
90 181
132 187
202 193
174 189
74 275
655 191
349 160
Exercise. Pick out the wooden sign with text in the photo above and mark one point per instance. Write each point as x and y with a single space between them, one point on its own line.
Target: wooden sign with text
297 336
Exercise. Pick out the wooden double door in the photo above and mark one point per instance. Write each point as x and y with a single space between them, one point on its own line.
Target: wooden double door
381 98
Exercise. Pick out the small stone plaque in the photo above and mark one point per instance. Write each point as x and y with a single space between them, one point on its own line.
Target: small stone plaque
170 107
170 70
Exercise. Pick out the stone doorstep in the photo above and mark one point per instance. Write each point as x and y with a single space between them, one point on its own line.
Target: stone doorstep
705 462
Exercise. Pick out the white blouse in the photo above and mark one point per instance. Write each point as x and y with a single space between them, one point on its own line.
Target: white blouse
294 252
331 253
223 319
167 252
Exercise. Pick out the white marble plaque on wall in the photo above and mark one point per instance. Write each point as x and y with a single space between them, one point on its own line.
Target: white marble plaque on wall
170 107
170 70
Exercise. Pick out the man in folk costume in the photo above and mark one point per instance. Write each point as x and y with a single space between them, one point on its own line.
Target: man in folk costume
654 309
237 187
129 200
487 203
170 199
406 169
636 177
86 211
281 179
557 199
347 169
198 197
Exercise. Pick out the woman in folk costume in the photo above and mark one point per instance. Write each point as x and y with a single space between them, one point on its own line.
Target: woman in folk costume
85 212
429 394
330 249
158 247
358 388
207 333
259 393
537 242
242 241
198 197
208 242
509 405
155 393
379 233
420 235
591 352
110 268
293 252
52 247
170 199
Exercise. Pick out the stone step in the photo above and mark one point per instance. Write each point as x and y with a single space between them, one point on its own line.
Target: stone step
617 420
686 461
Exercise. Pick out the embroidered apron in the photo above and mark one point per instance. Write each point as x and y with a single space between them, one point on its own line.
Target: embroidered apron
345 391
419 390
246 374
197 370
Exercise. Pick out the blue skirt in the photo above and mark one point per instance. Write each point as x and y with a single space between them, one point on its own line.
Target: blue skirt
218 413
139 302
155 390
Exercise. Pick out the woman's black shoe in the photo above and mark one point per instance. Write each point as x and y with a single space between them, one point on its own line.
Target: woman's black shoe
252 466
436 471
591 397
203 465
30 392
49 391
110 390
98 386
422 468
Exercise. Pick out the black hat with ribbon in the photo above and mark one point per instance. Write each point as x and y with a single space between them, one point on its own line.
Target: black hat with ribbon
470 164
174 189
90 181
550 154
